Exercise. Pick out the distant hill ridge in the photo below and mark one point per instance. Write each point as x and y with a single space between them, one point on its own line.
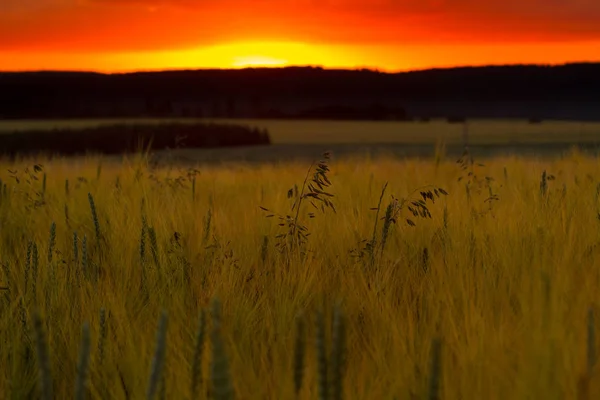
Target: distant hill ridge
570 91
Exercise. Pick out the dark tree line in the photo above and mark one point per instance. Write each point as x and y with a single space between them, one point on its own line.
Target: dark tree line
295 92
128 138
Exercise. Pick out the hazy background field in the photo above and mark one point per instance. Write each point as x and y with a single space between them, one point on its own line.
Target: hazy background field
318 132
302 139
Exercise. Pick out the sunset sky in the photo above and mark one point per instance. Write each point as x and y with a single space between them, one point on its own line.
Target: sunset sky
390 35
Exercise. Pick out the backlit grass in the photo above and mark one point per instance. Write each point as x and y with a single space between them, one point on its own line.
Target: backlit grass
184 291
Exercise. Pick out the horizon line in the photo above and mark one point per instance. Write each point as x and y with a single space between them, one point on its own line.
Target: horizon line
307 66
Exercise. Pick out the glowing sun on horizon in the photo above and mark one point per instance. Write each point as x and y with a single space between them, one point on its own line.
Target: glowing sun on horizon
258 61
236 55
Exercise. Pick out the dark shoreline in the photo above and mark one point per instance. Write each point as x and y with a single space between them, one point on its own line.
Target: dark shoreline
129 138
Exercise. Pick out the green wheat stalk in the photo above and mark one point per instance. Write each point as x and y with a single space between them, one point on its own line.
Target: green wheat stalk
299 354
207 226
197 359
143 243
25 329
44 178
82 366
322 364
264 250
51 242
194 188
67 220
220 378
159 357
84 257
102 337
338 355
154 246
435 372
28 264
43 359
75 248
94 217
34 270
591 343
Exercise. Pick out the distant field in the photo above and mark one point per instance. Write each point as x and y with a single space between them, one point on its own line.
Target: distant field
481 132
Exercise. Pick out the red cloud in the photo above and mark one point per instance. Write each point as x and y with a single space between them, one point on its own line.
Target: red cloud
137 25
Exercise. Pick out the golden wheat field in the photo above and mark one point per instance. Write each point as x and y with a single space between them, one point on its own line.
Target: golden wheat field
480 288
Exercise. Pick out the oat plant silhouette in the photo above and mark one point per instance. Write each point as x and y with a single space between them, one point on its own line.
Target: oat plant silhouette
417 203
314 190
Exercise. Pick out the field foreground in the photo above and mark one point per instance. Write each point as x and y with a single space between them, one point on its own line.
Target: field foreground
493 297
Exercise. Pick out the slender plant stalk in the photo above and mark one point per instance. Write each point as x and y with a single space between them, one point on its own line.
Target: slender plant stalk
84 358
299 354
221 381
322 364
95 217
102 337
43 357
338 355
159 357
591 343
197 360
435 371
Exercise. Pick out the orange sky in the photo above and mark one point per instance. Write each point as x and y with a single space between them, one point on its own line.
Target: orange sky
125 35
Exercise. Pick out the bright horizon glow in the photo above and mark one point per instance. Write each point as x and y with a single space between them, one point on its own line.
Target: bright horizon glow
258 61
387 35
235 55
256 54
